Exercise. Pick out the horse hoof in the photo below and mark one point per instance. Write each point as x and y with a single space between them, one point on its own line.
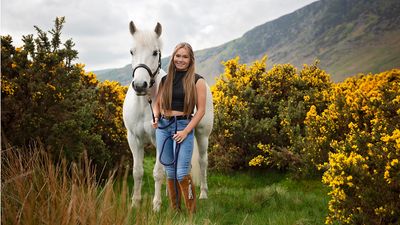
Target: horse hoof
156 208
156 205
135 202
203 195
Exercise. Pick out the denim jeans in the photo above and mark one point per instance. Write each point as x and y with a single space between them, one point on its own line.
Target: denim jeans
183 162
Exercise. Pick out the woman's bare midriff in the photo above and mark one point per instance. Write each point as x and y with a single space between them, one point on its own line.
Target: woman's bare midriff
173 113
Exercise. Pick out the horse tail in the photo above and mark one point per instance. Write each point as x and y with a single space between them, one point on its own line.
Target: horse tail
196 164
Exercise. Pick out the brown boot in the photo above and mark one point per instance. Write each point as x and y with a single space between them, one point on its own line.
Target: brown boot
172 194
188 192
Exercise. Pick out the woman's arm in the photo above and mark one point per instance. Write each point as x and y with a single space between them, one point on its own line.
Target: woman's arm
200 105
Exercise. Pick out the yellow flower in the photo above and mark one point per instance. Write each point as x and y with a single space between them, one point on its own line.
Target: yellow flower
257 161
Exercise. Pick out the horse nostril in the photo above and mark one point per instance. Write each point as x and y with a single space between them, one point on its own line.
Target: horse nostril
139 87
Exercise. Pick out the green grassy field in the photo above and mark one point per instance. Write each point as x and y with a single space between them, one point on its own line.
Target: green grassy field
252 197
35 191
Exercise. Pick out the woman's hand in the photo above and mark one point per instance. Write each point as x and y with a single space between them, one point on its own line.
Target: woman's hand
180 136
155 123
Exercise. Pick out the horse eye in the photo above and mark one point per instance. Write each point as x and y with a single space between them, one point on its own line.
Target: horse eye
131 51
155 52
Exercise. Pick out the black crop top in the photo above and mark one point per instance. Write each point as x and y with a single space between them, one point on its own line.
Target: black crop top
178 94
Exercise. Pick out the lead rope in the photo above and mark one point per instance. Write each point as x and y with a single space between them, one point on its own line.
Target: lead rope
175 158
151 108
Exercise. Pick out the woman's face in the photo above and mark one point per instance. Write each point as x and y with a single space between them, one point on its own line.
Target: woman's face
182 59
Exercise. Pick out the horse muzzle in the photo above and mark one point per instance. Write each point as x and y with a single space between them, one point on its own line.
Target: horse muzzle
140 90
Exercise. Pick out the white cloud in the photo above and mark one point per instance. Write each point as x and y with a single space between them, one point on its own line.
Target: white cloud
100 28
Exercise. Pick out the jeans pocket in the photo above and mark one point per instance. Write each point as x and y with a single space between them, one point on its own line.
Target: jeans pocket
182 124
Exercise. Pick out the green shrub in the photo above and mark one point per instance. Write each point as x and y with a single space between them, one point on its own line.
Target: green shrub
48 99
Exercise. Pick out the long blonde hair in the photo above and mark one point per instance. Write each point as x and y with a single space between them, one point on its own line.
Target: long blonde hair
188 82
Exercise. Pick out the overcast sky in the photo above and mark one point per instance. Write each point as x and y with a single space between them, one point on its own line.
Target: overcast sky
100 28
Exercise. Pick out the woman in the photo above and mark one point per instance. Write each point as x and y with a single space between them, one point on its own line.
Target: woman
181 90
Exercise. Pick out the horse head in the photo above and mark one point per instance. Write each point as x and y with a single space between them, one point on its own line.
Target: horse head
146 57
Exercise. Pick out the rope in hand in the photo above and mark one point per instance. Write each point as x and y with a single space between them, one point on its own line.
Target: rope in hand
176 152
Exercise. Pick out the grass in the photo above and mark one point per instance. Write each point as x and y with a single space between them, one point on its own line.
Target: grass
252 197
35 191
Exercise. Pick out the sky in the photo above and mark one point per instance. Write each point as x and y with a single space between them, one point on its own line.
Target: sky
100 28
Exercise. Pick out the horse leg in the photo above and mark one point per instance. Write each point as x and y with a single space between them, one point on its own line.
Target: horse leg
138 154
158 174
202 143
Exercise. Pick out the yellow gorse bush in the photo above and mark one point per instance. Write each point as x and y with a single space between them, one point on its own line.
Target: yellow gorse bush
255 108
349 131
110 115
47 98
364 133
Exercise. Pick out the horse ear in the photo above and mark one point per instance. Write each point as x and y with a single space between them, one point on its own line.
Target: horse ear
158 29
132 28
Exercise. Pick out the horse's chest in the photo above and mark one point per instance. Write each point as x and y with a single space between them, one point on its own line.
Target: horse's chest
137 121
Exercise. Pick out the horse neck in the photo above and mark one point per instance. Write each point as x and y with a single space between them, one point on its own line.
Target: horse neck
154 89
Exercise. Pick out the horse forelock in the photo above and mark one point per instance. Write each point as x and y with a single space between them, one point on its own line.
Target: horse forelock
147 39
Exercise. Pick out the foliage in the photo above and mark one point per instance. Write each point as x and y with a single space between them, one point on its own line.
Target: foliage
110 126
37 191
302 121
361 129
48 99
264 110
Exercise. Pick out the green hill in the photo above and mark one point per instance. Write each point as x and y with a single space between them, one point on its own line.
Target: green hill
347 36
122 75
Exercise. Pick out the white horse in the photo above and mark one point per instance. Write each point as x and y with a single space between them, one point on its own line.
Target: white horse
137 113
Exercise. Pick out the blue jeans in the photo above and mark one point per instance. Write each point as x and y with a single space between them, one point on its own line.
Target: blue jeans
183 162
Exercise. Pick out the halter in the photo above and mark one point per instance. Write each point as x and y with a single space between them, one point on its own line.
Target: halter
152 75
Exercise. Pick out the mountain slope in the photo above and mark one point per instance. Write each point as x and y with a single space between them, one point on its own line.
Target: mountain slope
123 75
347 36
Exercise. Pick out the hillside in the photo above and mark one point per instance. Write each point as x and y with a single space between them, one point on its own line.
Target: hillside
347 36
122 75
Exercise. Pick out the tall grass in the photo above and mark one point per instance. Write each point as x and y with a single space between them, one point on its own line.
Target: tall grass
37 191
